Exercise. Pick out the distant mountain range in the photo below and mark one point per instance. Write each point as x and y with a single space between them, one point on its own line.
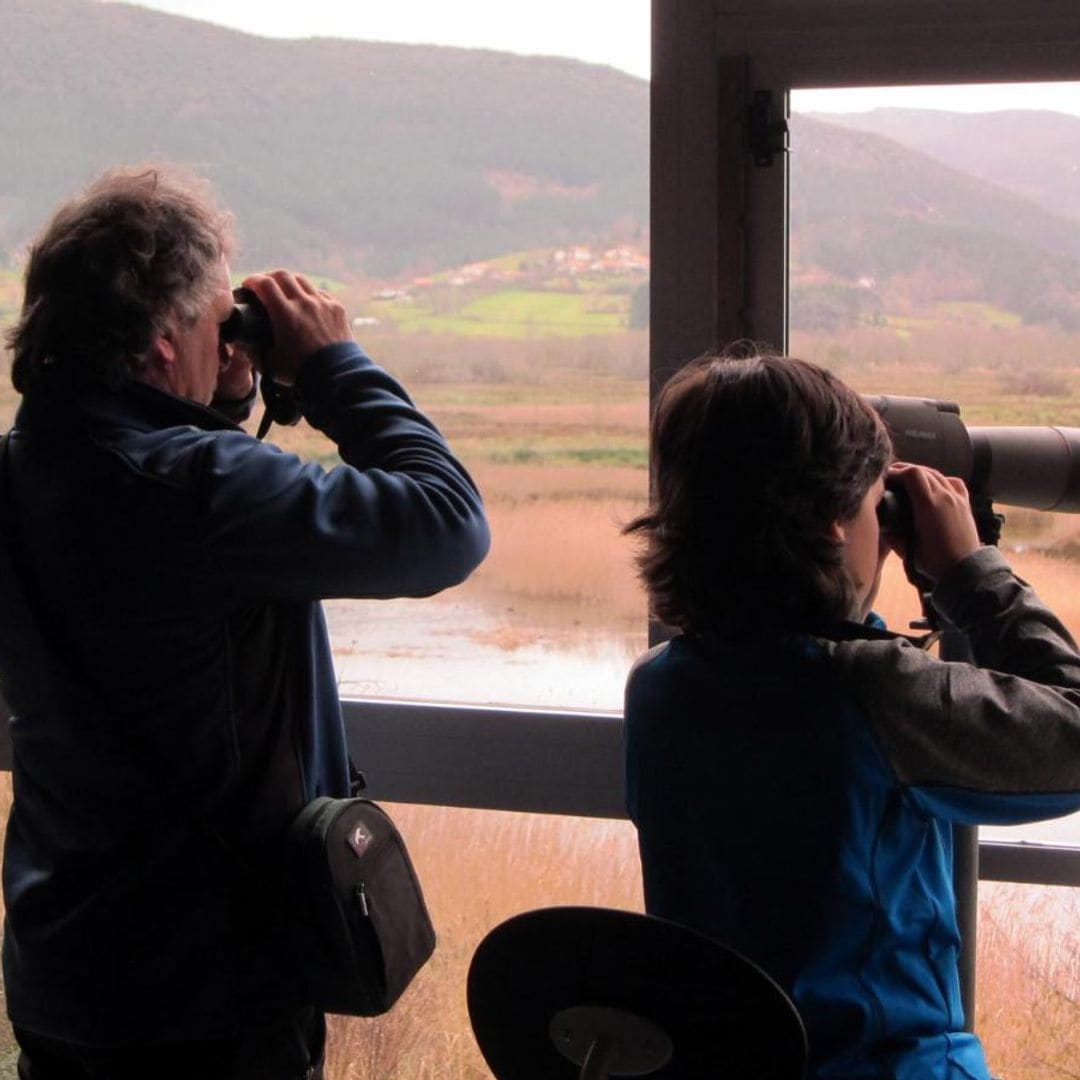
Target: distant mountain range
1033 153
335 154
351 158
872 216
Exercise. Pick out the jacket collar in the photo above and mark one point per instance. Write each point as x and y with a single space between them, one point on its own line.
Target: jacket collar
832 630
56 405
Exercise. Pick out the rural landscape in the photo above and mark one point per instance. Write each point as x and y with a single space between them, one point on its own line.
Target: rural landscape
485 220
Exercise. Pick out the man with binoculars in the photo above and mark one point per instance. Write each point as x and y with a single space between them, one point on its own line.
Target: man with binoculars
793 768
181 704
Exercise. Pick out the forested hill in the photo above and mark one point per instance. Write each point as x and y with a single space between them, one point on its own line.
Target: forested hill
838 171
1031 152
873 221
352 159
333 153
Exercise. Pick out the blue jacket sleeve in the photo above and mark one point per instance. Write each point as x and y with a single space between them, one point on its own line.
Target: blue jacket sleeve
399 516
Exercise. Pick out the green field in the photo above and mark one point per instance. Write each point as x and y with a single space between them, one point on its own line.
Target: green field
978 313
519 314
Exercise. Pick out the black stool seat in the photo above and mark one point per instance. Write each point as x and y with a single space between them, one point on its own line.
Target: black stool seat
578 993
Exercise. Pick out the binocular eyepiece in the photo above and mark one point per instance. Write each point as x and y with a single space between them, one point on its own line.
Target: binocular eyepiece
249 323
894 513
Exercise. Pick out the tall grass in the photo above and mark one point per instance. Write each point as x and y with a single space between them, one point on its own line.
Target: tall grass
480 867
1024 376
569 552
1055 579
1028 997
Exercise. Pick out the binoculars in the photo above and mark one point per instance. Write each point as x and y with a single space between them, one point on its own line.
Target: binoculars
249 324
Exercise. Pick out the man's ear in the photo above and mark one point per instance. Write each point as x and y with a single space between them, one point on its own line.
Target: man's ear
162 352
838 532
164 344
160 361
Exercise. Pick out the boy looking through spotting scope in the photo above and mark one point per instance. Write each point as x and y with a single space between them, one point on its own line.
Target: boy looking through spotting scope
793 768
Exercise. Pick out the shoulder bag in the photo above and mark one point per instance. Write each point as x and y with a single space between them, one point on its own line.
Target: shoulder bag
358 927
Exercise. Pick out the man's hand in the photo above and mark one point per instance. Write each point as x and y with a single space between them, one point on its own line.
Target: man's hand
943 529
304 319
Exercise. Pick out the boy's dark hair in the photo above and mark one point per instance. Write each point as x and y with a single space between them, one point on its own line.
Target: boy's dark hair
112 266
754 459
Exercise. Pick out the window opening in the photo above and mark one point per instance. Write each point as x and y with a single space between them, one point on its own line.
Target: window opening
484 217
935 252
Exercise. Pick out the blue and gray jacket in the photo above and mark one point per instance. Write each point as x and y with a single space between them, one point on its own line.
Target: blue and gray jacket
795 799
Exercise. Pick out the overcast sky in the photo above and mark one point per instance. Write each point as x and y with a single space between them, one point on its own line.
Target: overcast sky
614 32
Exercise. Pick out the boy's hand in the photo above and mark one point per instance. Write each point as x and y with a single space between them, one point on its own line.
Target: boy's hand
943 529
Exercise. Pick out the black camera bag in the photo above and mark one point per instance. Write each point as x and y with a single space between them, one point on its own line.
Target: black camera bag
358 926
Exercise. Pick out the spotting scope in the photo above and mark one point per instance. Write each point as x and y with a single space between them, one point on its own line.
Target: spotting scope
1034 467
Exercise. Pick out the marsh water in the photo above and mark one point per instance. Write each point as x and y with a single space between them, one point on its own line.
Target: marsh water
453 649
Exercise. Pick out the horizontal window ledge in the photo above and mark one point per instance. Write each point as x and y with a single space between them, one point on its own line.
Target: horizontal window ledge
1029 863
543 761
550 762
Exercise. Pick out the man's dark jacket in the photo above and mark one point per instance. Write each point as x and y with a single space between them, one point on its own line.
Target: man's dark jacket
174 565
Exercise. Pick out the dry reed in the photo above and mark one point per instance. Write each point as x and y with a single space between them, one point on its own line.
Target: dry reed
1028 997
570 551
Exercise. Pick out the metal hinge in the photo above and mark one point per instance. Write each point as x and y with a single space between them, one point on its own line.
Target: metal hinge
766 136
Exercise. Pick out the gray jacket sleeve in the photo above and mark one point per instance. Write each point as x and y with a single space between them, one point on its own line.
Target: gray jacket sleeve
998 742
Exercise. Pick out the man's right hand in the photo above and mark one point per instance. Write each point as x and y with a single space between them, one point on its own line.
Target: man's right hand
943 528
305 319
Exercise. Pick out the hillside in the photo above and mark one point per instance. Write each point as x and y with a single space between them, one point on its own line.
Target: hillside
338 154
874 222
357 160
1032 153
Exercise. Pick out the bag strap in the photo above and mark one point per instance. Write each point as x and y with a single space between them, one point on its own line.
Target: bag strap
357 780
